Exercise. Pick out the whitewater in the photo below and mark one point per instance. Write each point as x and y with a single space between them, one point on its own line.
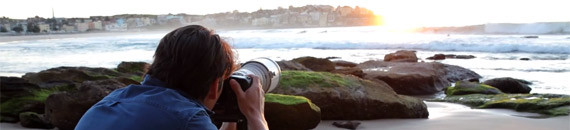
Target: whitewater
496 55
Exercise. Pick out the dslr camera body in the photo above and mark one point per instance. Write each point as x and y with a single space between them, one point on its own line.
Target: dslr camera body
269 73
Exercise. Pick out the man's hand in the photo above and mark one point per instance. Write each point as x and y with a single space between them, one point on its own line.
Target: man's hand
251 103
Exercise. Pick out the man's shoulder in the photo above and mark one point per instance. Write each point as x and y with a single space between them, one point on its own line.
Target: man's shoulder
158 97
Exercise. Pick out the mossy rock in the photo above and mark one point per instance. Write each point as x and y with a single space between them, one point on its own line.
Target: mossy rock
287 112
72 76
34 120
549 104
305 79
347 97
316 64
34 102
465 87
136 68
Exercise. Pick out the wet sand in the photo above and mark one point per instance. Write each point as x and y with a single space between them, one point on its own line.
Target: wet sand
446 116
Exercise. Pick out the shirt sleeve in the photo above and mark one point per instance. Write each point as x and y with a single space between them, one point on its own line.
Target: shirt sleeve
200 121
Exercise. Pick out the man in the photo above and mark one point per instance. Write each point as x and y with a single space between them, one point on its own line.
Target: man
181 87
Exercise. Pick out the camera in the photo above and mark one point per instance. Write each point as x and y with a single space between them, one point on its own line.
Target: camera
226 108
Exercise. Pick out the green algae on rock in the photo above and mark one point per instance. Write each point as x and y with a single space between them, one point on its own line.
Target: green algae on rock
34 102
304 78
346 97
465 87
549 104
287 112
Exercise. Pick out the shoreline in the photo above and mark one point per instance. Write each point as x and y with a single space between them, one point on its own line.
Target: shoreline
443 116
16 38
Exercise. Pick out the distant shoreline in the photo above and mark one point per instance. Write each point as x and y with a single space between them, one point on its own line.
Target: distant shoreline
15 38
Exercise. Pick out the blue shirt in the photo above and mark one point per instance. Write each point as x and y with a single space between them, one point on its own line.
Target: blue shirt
148 106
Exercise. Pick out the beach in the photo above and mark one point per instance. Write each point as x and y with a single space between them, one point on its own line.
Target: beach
448 116
444 116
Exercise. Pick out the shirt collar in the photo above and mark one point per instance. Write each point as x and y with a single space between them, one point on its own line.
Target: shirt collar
148 80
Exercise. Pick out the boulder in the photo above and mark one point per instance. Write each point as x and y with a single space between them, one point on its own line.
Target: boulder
342 97
292 65
286 112
548 104
464 88
350 71
402 56
69 76
524 59
347 124
342 63
15 87
12 108
464 57
415 78
316 64
32 101
437 57
509 85
136 68
34 120
65 109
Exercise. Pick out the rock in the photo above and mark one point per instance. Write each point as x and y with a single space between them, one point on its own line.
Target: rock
344 63
332 57
316 64
530 37
34 120
292 65
476 80
136 68
509 85
524 59
455 73
464 57
450 56
437 57
11 109
343 97
347 124
548 104
415 78
65 109
464 88
31 100
286 112
69 76
15 87
350 71
402 56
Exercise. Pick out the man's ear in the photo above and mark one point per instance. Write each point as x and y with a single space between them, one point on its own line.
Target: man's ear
213 93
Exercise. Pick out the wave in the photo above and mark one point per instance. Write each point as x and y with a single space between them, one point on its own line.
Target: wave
469 43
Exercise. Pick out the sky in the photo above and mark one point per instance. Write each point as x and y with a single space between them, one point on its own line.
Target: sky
396 13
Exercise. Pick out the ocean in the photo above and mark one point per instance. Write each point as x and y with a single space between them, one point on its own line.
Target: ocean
496 55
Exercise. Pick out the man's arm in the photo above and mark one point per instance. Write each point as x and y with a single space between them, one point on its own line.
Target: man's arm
251 103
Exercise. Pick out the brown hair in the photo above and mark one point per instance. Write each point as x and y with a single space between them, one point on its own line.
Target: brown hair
190 59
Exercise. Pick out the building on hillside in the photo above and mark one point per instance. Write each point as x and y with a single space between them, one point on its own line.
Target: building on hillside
7 27
263 21
345 10
82 27
323 20
97 25
68 28
44 27
117 25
